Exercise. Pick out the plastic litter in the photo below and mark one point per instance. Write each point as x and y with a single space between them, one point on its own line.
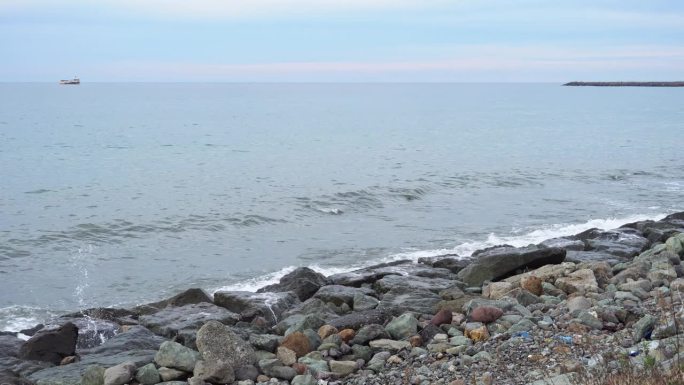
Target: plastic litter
523 335
565 339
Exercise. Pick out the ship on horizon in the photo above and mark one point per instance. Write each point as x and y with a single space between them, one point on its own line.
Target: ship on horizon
75 80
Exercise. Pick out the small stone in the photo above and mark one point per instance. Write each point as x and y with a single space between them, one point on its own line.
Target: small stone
347 335
174 355
326 330
395 360
304 380
147 375
298 343
444 316
487 378
343 368
68 360
416 341
402 327
169 374
478 334
214 371
262 378
486 314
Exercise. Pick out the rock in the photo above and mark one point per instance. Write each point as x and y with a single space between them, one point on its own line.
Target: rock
51 345
304 380
580 281
533 284
119 374
274 368
267 342
338 294
147 375
347 335
312 306
327 330
214 371
390 282
286 356
247 372
589 319
497 290
68 360
578 303
176 356
524 325
390 345
315 364
485 314
442 317
500 262
249 305
358 319
368 333
402 327
298 343
343 368
309 321
135 338
216 341
377 363
561 379
183 322
364 302
91 331
303 281
451 262
169 374
624 242
93 375
643 327
401 300
477 334
10 346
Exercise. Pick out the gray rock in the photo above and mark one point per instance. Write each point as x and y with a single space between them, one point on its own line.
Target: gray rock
304 379
176 356
184 321
10 346
51 345
524 325
643 327
315 365
390 345
402 327
358 319
93 375
247 372
499 262
219 371
434 285
188 297
303 281
587 318
147 375
339 295
119 374
267 342
578 303
377 363
271 306
275 368
368 333
400 300
623 242
343 368
217 342
314 338
310 321
364 302
313 306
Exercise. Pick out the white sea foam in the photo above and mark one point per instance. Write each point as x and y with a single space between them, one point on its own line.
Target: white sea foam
15 318
463 250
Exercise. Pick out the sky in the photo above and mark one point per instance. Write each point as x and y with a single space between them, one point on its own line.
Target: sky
341 40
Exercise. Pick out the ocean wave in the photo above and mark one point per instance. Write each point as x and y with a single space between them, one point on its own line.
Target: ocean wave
15 318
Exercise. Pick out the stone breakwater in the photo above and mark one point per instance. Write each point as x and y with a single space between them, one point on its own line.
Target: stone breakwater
554 313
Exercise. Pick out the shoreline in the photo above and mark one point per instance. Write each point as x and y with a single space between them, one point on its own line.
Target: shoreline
625 84
384 322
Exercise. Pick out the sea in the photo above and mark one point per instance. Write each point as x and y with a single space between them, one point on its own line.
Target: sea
117 194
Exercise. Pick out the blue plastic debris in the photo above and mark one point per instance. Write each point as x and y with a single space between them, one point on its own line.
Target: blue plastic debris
565 339
523 335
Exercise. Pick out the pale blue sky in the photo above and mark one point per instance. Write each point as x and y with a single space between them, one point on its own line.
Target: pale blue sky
336 40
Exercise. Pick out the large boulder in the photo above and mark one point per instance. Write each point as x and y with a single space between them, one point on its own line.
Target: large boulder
188 297
338 294
216 341
120 374
499 262
51 345
403 299
10 346
181 323
358 319
412 282
176 356
249 305
623 242
303 281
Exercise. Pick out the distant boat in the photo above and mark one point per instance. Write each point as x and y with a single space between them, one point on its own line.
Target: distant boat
75 80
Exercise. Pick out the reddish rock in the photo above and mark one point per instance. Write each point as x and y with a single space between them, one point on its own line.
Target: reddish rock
416 341
486 314
298 343
299 368
532 284
444 316
347 335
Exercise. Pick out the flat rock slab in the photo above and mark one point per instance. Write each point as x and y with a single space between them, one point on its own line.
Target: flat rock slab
413 282
359 319
403 299
184 321
338 294
499 262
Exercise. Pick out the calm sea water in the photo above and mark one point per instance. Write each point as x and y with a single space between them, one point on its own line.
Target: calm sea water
118 194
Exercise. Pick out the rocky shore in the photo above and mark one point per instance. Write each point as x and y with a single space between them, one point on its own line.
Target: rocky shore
561 312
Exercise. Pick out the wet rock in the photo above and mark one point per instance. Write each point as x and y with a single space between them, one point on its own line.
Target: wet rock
358 319
452 263
309 321
249 305
500 262
119 374
338 294
51 345
266 342
364 302
188 297
402 300
390 282
10 346
303 281
176 356
183 322
216 341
